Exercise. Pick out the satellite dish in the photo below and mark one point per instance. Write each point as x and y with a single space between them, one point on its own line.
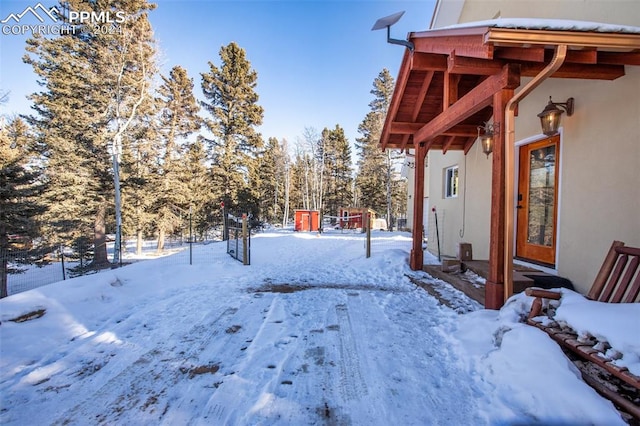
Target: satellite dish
387 22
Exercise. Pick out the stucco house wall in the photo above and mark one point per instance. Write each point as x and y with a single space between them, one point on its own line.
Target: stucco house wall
466 217
599 186
599 196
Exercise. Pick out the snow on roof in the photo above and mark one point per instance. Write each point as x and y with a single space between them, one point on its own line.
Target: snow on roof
548 24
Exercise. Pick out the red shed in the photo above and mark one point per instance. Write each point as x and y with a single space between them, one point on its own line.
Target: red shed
353 217
307 220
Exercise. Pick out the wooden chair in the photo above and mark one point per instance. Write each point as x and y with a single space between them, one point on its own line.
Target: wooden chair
618 281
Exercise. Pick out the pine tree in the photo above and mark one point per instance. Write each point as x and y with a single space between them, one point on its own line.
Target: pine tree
298 191
20 187
139 172
372 171
286 172
235 114
178 120
70 127
377 182
337 171
96 85
203 208
272 181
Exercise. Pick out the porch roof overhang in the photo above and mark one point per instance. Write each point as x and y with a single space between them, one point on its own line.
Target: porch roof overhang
445 86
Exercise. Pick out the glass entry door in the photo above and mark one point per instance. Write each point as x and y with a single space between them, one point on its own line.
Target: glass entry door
538 201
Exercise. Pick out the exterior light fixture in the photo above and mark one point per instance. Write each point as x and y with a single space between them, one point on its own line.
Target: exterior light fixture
486 138
550 115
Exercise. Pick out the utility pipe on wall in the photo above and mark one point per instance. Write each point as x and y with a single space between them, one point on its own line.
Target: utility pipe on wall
509 162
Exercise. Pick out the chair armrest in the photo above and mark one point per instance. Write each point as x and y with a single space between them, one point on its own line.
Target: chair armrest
544 294
539 294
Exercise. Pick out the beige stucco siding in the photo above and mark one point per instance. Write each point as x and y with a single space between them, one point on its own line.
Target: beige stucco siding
466 217
612 11
599 194
599 198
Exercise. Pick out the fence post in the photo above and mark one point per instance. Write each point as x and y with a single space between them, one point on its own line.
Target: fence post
245 259
4 275
368 222
225 229
64 277
190 239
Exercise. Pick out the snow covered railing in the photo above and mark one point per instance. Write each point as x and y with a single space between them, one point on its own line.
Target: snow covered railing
618 286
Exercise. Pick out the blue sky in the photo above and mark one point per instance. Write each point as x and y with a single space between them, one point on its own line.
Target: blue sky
316 60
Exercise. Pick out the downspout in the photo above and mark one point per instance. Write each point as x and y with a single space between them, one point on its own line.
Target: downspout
509 162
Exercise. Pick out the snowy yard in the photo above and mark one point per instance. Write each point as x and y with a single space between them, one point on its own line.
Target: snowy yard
311 333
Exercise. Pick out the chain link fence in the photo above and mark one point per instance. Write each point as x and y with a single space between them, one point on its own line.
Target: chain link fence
29 269
24 272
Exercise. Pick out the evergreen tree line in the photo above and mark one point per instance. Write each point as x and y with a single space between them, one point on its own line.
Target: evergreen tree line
114 146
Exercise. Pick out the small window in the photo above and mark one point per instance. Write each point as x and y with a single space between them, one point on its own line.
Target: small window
451 182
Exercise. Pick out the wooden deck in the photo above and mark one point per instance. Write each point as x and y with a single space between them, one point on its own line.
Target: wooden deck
460 281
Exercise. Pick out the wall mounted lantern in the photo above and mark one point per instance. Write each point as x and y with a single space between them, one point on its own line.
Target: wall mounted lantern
486 138
550 115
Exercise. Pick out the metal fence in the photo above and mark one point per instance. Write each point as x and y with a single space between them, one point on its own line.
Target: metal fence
24 271
239 238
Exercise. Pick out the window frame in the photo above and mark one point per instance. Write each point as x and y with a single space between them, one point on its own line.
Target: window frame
451 182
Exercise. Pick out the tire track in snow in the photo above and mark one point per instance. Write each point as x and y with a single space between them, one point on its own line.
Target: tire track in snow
305 375
290 363
144 382
205 406
71 368
352 384
223 406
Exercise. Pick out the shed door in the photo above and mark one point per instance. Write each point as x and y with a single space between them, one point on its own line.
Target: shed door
538 201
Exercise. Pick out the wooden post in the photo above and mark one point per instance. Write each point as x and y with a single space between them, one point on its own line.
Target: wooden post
368 218
245 248
416 258
494 287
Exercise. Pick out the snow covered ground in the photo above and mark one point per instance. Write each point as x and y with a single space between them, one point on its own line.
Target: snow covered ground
312 332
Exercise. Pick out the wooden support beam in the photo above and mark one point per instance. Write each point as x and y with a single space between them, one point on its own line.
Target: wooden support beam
468 144
422 93
584 56
403 128
478 98
585 71
447 144
619 58
396 98
494 287
465 45
450 90
461 65
416 257
468 130
405 141
428 62
431 143
529 54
